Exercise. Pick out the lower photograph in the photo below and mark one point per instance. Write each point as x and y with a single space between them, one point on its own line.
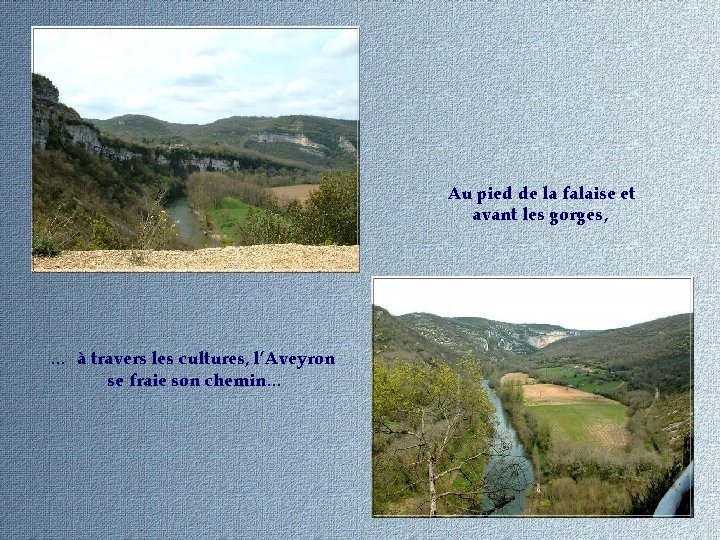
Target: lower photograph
532 396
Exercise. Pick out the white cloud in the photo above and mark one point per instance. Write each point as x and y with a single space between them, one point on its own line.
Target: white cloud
104 72
343 44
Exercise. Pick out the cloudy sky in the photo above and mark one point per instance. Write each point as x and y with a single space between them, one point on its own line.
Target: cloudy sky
580 304
198 75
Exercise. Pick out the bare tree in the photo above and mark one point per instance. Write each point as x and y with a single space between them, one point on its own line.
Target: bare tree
434 441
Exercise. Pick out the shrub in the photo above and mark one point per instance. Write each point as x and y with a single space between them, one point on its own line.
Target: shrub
49 238
44 244
157 229
265 227
331 212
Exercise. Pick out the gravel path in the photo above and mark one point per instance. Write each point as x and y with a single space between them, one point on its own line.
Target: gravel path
261 258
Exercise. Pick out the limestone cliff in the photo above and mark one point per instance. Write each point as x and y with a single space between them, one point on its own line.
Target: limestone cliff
483 335
543 340
52 119
305 143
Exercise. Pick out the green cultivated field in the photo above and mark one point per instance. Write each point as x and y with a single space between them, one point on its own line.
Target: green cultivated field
580 422
231 213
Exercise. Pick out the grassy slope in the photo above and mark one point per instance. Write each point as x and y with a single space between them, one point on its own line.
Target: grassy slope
231 213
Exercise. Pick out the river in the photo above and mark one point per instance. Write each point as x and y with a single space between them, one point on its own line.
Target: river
510 472
188 224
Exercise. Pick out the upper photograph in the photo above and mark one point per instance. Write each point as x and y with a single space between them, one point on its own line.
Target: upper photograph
195 149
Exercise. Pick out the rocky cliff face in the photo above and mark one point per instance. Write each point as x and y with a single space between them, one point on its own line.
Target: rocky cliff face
88 137
545 339
347 146
47 111
291 138
469 333
301 140
304 142
52 119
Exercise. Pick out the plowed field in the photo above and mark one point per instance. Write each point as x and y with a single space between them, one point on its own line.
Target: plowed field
299 192
577 416
553 394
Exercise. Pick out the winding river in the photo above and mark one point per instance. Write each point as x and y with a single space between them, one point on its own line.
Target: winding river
510 472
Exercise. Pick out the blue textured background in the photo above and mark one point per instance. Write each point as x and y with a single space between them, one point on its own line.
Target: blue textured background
465 94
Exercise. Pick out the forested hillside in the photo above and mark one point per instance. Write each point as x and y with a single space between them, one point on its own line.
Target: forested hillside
655 354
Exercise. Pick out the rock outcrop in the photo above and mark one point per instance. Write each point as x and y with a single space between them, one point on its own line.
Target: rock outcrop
347 146
543 340
52 118
298 139
483 335
47 111
305 143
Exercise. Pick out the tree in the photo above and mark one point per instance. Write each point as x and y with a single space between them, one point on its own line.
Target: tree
433 437
331 212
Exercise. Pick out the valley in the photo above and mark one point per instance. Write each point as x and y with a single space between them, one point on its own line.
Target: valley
138 184
603 417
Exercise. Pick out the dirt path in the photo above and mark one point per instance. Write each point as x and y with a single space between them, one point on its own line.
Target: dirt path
261 258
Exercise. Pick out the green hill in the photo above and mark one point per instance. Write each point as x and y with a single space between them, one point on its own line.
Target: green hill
654 354
648 356
309 140
394 339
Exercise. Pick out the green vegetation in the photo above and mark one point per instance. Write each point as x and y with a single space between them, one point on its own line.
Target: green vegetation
329 216
237 206
534 435
590 458
82 202
432 430
574 423
108 190
394 338
664 344
594 380
583 450
229 214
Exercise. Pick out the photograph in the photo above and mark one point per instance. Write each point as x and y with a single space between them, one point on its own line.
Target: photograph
195 149
532 396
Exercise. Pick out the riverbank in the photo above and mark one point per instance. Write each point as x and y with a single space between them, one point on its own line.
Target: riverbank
258 258
512 459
